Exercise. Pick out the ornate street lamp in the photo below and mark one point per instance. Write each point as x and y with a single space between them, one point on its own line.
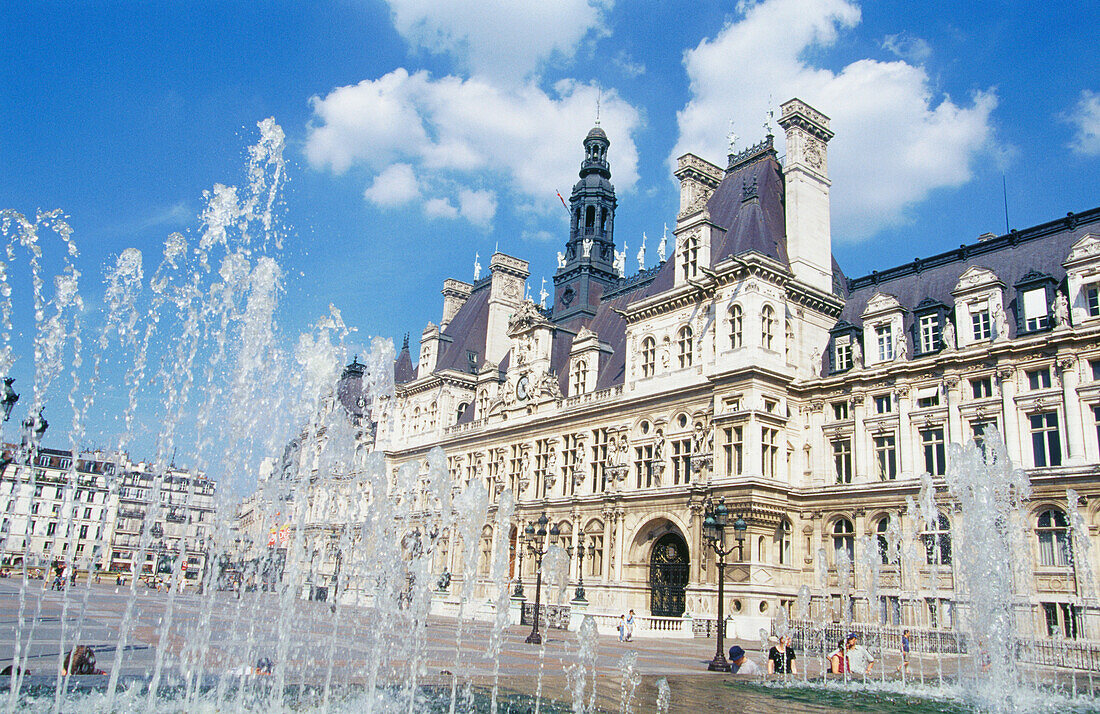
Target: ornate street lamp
715 518
581 551
9 397
537 543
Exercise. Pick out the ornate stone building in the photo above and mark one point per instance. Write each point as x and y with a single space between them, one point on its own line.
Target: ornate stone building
747 366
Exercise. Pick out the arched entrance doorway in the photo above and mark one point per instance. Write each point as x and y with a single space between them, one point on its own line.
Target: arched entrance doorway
668 576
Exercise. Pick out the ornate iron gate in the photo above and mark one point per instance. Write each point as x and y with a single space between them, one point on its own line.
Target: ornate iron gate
668 576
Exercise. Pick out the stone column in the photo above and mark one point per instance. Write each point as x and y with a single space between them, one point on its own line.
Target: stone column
904 442
698 549
620 543
953 394
1006 378
862 460
608 543
1075 434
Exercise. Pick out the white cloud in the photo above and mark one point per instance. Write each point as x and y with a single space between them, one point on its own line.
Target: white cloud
439 208
907 47
395 186
627 65
895 141
499 38
1085 116
454 132
478 207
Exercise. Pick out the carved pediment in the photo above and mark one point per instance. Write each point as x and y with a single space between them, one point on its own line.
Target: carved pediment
881 303
976 278
1085 250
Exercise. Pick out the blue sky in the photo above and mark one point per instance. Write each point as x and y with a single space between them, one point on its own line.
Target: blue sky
420 132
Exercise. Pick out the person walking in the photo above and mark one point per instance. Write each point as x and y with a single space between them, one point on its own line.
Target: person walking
904 652
622 628
781 657
629 626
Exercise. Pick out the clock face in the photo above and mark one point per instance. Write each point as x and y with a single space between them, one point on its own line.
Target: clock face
521 388
362 402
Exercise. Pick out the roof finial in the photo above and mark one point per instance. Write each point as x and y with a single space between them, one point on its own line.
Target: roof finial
477 266
405 344
599 95
732 137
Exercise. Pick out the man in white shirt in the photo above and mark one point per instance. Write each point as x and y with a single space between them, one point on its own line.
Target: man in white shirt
740 664
860 661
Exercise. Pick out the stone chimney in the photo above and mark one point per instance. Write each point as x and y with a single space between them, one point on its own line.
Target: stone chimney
806 186
509 277
698 179
455 294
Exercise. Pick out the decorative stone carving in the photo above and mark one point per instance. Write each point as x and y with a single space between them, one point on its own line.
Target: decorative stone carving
948 336
1060 309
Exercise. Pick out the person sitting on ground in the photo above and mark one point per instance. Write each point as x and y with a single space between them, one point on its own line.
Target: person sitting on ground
860 659
740 663
80 660
781 656
838 659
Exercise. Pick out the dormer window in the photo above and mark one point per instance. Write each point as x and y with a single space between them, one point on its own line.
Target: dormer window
1092 300
929 322
980 323
843 354
580 376
929 333
884 338
1034 294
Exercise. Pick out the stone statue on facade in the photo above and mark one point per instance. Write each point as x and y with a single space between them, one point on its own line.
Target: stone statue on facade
662 247
477 266
901 349
1000 323
641 254
948 336
1060 308
586 248
620 262
561 259
857 354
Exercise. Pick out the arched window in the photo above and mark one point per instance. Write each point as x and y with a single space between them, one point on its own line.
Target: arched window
589 219
580 377
683 342
783 543
433 412
937 542
880 538
603 220
843 540
416 420
594 532
462 410
736 323
1053 532
767 327
649 357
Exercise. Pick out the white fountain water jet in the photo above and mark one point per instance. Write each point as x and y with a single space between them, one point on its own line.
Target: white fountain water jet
582 673
990 491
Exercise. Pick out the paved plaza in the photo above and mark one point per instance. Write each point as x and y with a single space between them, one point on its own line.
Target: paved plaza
241 628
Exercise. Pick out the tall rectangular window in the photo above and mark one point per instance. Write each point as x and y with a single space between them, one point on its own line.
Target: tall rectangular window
840 411
598 464
681 461
886 457
929 333
843 356
1046 445
1092 300
884 337
570 460
643 465
769 451
981 429
515 469
733 449
1035 309
935 452
842 460
542 467
980 325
